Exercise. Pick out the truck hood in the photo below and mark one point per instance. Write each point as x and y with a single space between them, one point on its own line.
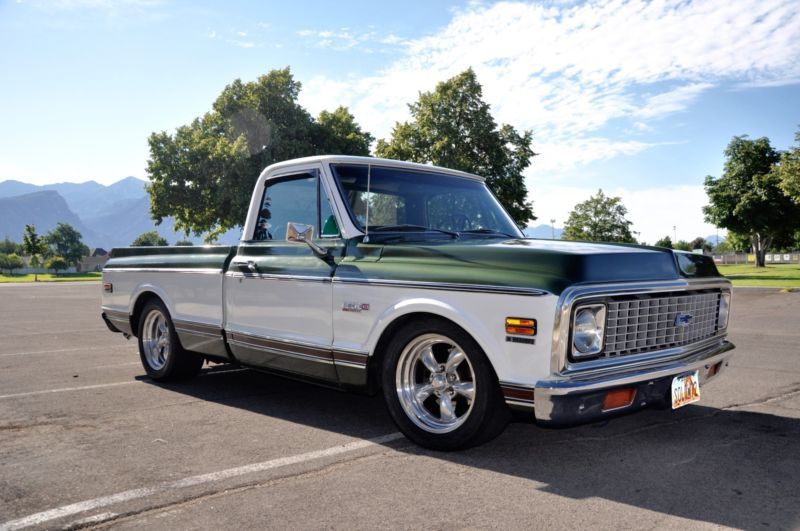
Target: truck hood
542 264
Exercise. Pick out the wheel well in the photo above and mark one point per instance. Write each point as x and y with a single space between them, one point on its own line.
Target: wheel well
143 299
376 360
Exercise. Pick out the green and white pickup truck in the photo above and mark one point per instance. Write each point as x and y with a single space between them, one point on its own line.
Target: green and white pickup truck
411 280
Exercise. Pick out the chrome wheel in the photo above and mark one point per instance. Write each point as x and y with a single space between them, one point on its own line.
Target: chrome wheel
156 339
435 383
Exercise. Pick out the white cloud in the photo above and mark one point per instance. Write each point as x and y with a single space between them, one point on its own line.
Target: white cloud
344 39
567 71
654 212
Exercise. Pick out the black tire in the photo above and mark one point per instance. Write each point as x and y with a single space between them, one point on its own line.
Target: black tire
463 422
163 357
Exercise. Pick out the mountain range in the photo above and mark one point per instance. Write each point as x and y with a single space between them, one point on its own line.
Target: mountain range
106 216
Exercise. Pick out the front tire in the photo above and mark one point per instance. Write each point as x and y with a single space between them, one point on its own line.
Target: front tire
162 355
440 388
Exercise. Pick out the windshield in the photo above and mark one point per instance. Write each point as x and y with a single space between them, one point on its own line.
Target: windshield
404 199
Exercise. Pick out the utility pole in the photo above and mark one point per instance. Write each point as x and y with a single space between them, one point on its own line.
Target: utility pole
674 234
553 228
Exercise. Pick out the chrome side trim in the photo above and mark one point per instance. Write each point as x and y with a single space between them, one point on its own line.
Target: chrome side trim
199 329
280 352
272 276
300 350
559 361
201 270
517 395
444 286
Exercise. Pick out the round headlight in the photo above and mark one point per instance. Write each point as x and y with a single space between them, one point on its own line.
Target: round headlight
587 331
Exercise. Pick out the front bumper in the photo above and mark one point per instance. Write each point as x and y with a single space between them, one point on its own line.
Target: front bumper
578 398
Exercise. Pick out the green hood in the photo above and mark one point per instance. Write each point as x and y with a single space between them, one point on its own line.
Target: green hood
541 264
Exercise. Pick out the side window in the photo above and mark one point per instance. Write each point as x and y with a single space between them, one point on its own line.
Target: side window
288 199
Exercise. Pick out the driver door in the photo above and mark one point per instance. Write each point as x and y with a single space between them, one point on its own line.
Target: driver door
279 294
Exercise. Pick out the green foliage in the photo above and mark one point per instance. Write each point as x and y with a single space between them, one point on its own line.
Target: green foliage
34 246
789 170
8 246
747 199
453 127
56 263
700 243
149 239
10 262
682 245
65 242
599 219
666 241
204 173
184 243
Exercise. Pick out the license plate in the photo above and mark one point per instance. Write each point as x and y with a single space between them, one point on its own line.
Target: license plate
685 389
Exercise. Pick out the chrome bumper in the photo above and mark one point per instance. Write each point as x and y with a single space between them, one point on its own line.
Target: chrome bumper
572 399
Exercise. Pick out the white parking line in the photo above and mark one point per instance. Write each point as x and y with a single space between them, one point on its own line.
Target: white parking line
65 389
62 350
100 386
128 495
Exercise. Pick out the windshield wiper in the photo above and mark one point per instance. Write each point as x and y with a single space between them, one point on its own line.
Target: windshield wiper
411 228
490 232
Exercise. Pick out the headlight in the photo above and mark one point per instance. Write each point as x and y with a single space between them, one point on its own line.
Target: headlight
724 310
588 326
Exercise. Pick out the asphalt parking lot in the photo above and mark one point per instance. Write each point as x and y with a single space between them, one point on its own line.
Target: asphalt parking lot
87 441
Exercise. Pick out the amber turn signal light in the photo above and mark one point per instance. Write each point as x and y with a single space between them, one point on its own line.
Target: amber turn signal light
520 326
618 398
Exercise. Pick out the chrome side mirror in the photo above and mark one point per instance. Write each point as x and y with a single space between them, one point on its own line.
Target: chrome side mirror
302 233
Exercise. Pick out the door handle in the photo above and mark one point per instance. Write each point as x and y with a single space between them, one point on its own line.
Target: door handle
249 264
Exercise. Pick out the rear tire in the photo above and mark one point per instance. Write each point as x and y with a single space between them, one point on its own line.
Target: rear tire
440 388
162 355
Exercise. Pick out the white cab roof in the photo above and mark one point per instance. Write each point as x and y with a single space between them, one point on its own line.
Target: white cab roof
350 159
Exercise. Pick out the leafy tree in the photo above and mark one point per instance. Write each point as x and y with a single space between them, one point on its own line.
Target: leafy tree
738 242
789 170
453 127
601 219
204 173
700 243
10 262
748 199
34 246
56 263
8 246
682 245
149 239
66 243
184 243
666 241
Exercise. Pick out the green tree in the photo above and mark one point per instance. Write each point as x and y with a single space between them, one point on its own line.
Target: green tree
8 246
13 261
700 243
453 127
789 170
748 199
149 239
56 263
204 173
66 243
600 219
184 243
666 241
682 245
34 246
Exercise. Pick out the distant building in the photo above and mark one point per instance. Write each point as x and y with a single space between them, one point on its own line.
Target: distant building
95 261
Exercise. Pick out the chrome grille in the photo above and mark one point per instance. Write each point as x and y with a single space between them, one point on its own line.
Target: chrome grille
638 325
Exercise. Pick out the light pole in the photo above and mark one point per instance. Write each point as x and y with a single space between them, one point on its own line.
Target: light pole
553 228
674 233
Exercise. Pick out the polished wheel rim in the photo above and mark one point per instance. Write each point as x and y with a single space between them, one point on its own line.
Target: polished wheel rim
435 383
156 340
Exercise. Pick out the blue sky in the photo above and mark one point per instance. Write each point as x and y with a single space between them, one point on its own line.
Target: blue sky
638 98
